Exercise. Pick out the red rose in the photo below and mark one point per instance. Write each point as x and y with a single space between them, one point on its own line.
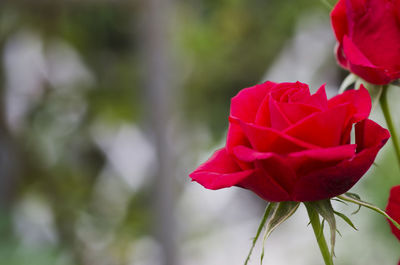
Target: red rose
393 208
287 145
368 32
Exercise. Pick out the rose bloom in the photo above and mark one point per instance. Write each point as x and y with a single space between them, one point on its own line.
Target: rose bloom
287 145
368 32
393 208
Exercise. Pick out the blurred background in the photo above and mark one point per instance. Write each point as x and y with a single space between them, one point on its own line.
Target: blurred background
107 106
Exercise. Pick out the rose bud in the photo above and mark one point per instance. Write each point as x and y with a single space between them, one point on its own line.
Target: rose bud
368 35
285 144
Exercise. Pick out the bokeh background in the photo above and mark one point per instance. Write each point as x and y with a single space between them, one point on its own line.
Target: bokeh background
106 106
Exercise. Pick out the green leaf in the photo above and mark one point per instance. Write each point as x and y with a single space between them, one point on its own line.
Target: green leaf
346 219
349 198
349 80
280 214
324 208
271 206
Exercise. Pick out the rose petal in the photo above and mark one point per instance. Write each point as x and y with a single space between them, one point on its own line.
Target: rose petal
269 140
295 112
333 181
244 106
265 186
290 92
393 209
354 55
340 56
339 20
263 117
246 103
360 99
235 136
322 129
319 99
285 169
220 171
360 65
307 161
272 170
376 33
278 119
355 10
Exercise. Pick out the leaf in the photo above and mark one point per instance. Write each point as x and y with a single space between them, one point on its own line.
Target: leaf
349 198
280 214
271 206
346 219
349 80
324 208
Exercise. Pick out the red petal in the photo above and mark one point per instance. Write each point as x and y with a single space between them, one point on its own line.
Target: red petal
265 186
376 32
220 171
263 117
285 169
277 118
269 140
246 103
244 106
339 20
290 92
323 129
319 99
274 179
340 56
307 161
361 66
360 99
295 112
393 209
235 136
330 182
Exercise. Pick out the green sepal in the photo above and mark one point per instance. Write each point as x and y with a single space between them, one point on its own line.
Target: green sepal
279 215
325 209
346 219
271 206
357 197
274 215
348 81
349 197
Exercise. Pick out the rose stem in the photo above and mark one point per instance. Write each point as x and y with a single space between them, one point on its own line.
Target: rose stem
389 122
319 235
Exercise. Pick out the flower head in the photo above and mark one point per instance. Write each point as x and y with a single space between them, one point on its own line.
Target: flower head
285 144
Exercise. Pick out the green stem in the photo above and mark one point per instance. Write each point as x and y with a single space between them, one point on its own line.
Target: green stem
319 235
389 122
